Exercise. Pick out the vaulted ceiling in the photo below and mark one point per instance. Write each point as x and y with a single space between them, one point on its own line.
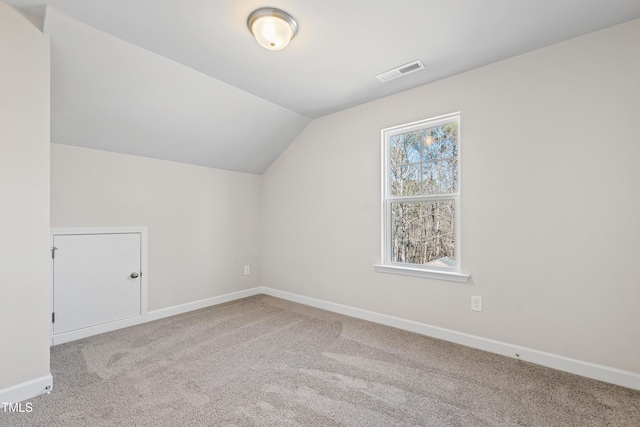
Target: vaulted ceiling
185 80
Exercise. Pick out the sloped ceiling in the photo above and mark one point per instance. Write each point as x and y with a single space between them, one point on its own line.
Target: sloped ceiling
185 81
112 95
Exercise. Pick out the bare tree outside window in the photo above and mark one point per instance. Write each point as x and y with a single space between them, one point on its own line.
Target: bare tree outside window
421 195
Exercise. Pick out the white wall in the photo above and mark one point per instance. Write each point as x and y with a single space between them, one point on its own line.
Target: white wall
24 199
203 223
550 203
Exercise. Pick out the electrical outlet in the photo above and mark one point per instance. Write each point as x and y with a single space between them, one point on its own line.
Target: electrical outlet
476 303
247 270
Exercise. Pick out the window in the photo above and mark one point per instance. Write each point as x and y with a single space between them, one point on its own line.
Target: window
421 199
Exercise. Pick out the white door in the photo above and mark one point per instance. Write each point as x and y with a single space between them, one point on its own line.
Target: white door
96 279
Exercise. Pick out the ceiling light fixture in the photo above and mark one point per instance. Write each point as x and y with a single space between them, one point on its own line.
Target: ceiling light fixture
272 28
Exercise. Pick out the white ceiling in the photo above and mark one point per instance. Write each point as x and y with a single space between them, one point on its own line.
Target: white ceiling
185 81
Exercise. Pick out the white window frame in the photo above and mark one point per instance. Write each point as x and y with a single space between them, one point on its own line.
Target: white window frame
409 269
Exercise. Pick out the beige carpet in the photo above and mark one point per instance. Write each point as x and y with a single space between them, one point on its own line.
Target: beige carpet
268 362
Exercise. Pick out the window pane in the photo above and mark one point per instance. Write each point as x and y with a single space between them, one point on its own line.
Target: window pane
405 180
405 149
440 142
423 233
440 177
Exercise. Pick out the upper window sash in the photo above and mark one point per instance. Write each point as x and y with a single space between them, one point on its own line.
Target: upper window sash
418 160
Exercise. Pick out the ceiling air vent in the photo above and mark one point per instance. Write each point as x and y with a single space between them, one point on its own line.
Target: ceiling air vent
400 71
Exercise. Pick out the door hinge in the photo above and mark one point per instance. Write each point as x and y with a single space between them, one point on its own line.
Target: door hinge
53 252
53 317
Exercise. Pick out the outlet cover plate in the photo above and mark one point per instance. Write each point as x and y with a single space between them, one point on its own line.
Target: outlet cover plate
476 303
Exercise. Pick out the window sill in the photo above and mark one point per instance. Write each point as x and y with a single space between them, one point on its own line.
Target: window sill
419 272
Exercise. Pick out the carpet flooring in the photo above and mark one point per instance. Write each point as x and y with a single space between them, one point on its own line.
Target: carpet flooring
263 361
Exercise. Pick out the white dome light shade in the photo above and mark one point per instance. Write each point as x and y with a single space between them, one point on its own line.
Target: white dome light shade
272 33
272 28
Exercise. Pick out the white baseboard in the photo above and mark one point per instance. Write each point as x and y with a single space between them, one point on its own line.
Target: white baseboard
203 303
95 330
578 367
150 316
26 390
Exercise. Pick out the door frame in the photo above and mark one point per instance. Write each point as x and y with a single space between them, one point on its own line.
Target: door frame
144 283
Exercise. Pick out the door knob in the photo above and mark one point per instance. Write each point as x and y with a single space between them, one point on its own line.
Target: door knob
134 275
